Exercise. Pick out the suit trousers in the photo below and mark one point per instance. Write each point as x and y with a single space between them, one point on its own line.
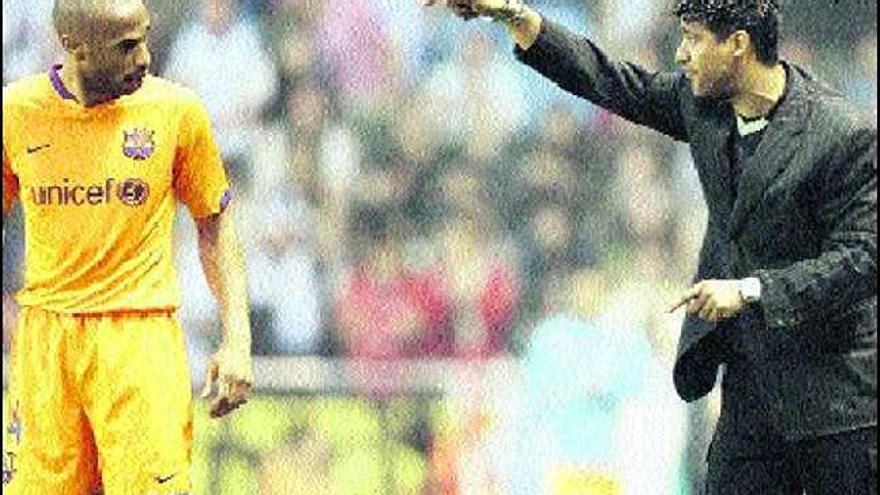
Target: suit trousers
837 464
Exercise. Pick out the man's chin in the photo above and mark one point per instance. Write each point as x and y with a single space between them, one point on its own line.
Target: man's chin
705 93
125 87
129 86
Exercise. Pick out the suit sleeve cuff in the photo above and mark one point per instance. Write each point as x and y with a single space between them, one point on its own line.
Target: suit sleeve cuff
543 51
776 307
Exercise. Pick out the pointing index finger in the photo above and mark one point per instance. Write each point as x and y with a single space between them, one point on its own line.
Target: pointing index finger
687 296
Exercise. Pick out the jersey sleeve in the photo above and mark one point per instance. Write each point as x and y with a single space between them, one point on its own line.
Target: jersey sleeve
10 184
200 181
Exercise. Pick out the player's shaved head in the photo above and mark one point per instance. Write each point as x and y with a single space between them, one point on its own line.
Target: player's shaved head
83 19
106 46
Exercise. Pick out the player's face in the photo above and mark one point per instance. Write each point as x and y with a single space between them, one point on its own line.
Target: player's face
116 58
708 63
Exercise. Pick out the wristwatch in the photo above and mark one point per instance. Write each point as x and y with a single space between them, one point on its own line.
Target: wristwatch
513 11
750 290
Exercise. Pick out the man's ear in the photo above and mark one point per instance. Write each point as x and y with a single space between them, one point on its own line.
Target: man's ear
741 40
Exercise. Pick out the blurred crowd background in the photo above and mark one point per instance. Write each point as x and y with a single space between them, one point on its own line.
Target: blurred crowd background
409 193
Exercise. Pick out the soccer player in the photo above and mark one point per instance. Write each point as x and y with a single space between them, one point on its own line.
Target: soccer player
97 151
786 289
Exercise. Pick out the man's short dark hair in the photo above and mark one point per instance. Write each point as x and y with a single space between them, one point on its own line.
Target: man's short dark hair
759 18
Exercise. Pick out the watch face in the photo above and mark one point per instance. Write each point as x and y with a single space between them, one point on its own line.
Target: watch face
750 289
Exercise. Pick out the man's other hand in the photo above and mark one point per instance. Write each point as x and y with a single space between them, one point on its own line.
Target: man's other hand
712 300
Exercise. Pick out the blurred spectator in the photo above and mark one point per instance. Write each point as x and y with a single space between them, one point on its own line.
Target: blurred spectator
219 37
551 250
282 234
649 459
29 41
576 389
291 30
612 446
642 194
863 87
283 276
478 100
478 268
166 19
627 23
353 41
386 310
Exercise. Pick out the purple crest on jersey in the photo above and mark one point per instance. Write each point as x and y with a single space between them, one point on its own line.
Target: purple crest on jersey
138 143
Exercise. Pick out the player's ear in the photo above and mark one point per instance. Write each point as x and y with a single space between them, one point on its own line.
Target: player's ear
66 42
73 46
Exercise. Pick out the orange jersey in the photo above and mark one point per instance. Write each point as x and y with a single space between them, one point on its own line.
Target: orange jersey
98 188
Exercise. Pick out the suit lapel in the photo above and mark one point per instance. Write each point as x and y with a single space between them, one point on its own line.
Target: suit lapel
773 154
721 136
713 157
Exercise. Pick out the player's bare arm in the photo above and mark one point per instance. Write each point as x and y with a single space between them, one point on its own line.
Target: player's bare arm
223 261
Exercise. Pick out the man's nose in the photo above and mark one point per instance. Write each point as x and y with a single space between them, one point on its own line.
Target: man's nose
143 58
681 55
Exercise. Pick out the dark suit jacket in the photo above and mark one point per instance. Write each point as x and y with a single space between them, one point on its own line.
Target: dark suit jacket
803 220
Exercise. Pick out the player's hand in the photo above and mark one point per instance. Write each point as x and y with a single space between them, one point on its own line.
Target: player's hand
232 369
468 9
712 300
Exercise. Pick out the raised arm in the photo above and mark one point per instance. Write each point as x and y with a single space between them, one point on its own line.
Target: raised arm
577 65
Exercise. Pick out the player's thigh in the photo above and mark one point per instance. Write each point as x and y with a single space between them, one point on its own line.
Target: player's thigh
48 445
141 406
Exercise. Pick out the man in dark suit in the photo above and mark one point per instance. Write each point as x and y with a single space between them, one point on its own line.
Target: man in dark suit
786 294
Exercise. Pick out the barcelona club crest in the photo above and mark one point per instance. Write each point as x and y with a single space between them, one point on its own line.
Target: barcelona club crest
138 143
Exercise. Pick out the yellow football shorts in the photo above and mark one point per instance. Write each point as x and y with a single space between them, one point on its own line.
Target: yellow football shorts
97 399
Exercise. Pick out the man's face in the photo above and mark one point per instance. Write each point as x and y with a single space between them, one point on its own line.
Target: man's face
115 59
708 63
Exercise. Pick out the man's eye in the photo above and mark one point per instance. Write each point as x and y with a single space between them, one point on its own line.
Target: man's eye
129 45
